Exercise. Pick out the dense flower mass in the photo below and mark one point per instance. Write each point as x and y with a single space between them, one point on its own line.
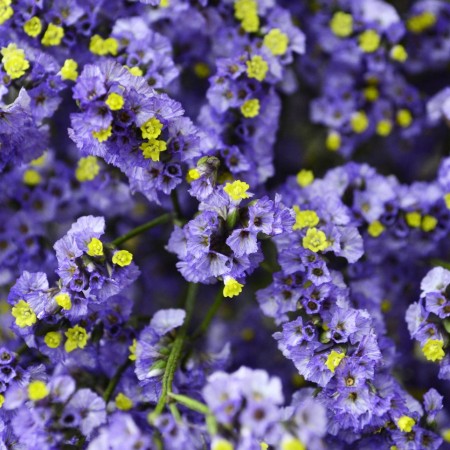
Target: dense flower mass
224 225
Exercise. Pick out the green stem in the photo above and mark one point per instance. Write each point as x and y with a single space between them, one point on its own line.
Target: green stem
175 354
115 380
141 228
176 205
203 327
190 403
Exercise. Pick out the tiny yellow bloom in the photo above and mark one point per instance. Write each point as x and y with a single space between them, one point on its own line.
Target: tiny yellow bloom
413 219
232 287
102 135
276 41
306 218
63 299
292 444
405 423
375 228
53 339
37 390
115 101
123 402
14 61
334 359
433 349
88 168
202 70
69 70
122 258
341 24
192 175
404 118
53 35
315 240
446 434
237 190
305 177
112 46
24 314
384 127
257 68
221 444
371 93
152 148
6 12
247 12
132 349
2 400
31 177
359 122
421 22
95 247
135 71
77 337
250 108
429 223
38 162
151 129
398 53
333 141
369 41
33 26
447 200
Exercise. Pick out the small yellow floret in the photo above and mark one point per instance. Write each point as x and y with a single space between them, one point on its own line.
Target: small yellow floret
305 177
152 148
14 61
315 240
421 22
69 70
38 162
447 200
292 444
135 71
114 101
237 190
413 219
446 434
95 247
192 175
333 142
404 118
371 93
53 339
232 287
151 129
429 223
33 26
77 337
384 127
257 68
87 169
433 349
102 135
221 444
405 423
31 177
303 219
341 24
247 12
369 41
375 228
53 35
250 108
37 390
276 41
102 47
132 348
334 359
63 300
6 12
164 3
123 402
122 258
24 314
202 70
2 400
398 53
359 122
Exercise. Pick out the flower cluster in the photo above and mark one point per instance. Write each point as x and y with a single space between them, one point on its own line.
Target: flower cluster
224 224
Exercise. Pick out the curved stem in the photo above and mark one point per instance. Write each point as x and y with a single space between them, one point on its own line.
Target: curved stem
175 354
141 228
115 380
203 327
